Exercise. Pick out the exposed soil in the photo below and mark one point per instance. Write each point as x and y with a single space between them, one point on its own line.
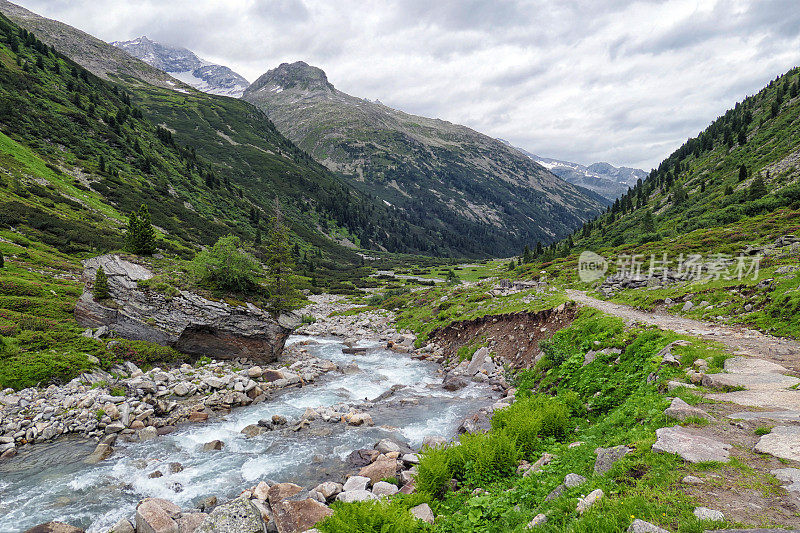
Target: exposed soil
513 337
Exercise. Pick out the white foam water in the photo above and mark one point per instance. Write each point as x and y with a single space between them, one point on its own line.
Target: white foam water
95 497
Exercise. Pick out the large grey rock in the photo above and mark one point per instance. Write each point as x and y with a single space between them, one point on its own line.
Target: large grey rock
189 322
640 526
478 358
54 527
358 495
704 513
356 483
790 477
606 457
681 410
382 488
238 515
573 480
782 441
690 446
383 467
423 512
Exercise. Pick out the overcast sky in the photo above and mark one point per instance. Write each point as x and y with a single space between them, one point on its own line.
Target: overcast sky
582 80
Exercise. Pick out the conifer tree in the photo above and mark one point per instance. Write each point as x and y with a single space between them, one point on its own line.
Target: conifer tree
280 266
742 172
140 237
2 261
648 224
131 233
758 188
101 284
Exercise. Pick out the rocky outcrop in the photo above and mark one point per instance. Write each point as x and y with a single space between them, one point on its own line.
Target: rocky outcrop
189 322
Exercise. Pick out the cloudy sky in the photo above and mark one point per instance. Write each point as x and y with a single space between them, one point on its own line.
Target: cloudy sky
583 80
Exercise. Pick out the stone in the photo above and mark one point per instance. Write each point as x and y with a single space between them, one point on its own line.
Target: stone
704 513
359 419
181 389
253 430
538 520
299 516
100 453
329 489
382 468
573 480
423 512
54 527
123 526
387 445
362 457
198 416
351 496
478 358
147 433
433 441
555 493
382 488
590 499
154 515
280 491
214 445
782 442
410 458
356 483
688 306
680 410
691 447
261 491
189 322
789 476
238 515
606 457
640 526
692 480
453 382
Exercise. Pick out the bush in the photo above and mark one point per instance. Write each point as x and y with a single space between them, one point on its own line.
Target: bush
372 517
528 420
22 370
101 284
144 353
227 267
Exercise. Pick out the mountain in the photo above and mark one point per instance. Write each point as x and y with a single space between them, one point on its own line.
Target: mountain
605 179
464 182
225 145
185 66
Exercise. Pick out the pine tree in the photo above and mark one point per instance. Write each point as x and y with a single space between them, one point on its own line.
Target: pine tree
648 224
758 188
527 256
728 190
2 261
146 235
131 233
742 172
280 266
101 285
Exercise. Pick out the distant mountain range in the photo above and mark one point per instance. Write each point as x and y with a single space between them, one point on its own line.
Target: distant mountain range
603 178
185 66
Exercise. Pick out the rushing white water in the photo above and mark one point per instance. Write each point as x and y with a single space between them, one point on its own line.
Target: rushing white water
50 482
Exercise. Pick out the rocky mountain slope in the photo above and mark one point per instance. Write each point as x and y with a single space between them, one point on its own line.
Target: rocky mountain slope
605 179
185 66
429 169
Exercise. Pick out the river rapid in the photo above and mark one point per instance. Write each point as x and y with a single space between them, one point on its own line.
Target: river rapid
50 481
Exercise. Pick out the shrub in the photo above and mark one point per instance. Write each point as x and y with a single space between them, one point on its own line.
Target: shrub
144 353
434 471
372 517
528 420
24 370
227 267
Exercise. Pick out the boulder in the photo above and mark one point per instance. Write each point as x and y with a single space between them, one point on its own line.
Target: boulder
214 445
356 483
690 446
383 467
362 457
782 441
154 515
54 527
606 457
190 323
538 520
299 516
590 499
189 522
261 491
100 453
423 512
123 526
681 410
478 358
281 491
382 488
238 515
640 526
359 419
351 496
454 382
329 489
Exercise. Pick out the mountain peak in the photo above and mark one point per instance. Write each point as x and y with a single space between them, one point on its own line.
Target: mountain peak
297 75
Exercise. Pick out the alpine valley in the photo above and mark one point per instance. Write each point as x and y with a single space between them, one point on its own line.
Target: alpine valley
275 307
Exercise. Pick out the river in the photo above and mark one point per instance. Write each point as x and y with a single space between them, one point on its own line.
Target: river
50 481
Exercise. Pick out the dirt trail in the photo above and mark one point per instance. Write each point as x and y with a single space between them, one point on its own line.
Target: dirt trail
740 340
